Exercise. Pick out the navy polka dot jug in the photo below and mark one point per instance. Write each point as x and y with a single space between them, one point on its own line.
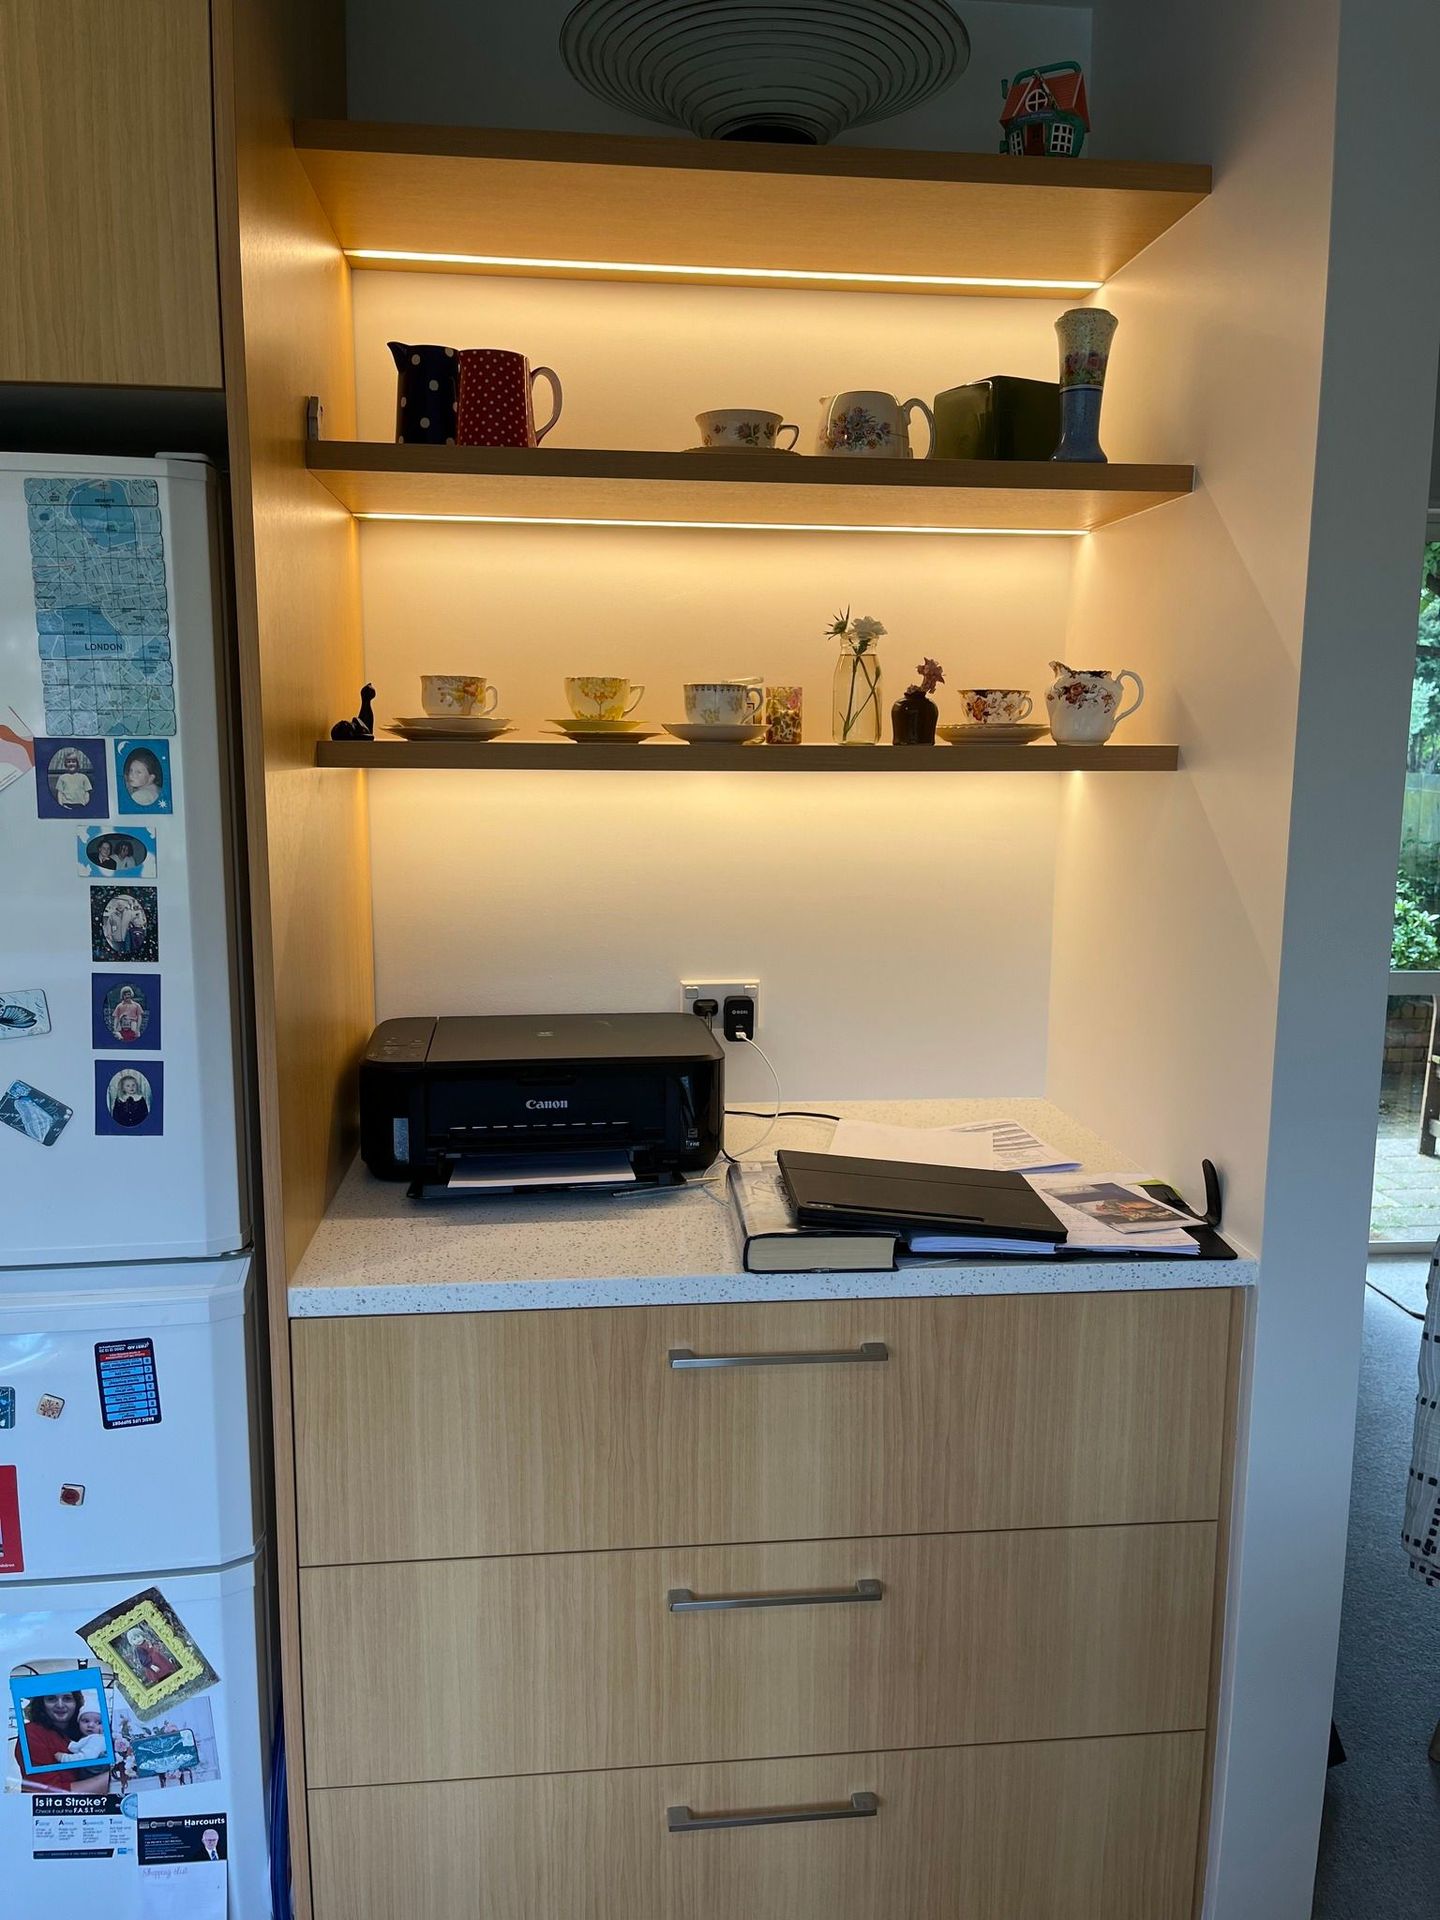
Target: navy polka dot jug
427 394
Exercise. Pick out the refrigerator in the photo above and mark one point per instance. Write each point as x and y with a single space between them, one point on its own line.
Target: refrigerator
133 1615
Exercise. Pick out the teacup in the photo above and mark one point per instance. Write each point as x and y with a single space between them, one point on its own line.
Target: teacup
602 696
724 703
446 695
745 427
996 706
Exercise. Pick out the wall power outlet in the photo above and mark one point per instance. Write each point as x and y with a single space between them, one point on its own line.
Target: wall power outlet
719 991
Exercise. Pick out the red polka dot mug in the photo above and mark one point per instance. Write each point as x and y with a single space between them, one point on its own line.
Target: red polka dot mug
496 409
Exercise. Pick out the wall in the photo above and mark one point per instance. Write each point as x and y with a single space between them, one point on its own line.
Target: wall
488 63
1275 615
899 926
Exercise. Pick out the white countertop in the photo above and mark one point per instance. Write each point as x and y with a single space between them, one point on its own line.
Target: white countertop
378 1251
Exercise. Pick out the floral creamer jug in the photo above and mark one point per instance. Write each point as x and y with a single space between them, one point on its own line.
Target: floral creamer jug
1084 703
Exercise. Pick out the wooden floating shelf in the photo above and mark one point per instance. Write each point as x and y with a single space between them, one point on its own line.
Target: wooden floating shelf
581 205
711 488
673 757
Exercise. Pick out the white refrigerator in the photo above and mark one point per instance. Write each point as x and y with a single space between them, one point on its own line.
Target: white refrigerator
133 1616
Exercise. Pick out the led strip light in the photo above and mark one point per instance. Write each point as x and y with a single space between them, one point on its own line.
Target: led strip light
726 526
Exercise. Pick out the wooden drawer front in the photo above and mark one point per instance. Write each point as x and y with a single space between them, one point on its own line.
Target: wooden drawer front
1087 1829
456 1434
564 1661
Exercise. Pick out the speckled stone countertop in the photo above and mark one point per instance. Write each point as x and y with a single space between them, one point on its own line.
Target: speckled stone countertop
379 1252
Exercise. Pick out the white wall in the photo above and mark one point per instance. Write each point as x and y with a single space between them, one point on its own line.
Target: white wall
1288 343
497 64
900 927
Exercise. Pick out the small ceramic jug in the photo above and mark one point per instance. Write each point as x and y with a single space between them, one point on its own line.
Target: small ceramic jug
495 403
869 424
427 390
1084 703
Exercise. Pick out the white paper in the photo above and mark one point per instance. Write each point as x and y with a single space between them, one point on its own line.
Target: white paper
478 1174
1164 1232
985 1146
184 1890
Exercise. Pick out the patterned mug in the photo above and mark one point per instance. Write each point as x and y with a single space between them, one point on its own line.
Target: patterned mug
496 408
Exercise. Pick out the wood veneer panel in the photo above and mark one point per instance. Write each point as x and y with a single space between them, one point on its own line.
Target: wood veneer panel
1091 1829
565 756
107 214
287 333
445 1435
557 483
564 1661
636 198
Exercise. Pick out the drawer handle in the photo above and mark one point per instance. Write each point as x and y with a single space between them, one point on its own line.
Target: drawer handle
860 1806
683 1357
682 1600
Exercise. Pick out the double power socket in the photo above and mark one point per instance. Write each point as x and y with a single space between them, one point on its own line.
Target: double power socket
730 996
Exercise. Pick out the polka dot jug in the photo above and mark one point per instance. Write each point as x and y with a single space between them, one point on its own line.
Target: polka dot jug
427 394
496 409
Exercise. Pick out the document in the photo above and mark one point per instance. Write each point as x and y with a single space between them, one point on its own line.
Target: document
986 1145
1108 1213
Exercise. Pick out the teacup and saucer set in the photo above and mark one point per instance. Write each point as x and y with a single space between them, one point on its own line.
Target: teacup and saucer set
600 708
457 706
994 717
721 713
745 430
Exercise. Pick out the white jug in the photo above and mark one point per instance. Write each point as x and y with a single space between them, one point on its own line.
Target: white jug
1084 703
869 425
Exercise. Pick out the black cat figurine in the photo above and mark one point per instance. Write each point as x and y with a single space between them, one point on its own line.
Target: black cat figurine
362 727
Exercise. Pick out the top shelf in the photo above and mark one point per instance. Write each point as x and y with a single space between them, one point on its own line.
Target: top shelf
631 207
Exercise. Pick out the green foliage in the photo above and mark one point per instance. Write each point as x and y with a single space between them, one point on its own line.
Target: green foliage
1413 945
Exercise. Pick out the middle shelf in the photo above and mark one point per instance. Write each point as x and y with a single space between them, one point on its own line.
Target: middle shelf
741 489
823 756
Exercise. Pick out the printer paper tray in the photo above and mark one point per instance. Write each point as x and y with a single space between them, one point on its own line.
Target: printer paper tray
489 1173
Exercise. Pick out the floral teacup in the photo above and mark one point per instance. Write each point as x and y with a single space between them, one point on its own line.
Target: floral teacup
724 703
746 427
996 706
602 696
446 695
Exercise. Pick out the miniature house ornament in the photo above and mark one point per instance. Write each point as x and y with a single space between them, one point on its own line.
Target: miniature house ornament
1084 334
1045 111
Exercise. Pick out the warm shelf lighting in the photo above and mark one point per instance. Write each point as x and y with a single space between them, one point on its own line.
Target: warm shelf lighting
654 269
727 526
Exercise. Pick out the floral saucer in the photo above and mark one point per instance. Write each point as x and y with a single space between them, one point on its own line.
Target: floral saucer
720 735
451 726
971 735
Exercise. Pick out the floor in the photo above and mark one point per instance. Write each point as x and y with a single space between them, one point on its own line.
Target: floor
1380 1842
1406 1201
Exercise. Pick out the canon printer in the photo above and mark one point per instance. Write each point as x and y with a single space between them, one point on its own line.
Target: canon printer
543 1100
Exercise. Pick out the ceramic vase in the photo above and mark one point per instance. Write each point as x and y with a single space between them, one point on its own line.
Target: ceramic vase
1084 334
427 392
855 696
912 719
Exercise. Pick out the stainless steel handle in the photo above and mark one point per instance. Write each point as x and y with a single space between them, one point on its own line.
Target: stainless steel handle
860 1806
682 1600
682 1357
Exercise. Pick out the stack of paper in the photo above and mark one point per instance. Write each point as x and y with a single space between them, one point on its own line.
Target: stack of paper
1106 1213
1003 1145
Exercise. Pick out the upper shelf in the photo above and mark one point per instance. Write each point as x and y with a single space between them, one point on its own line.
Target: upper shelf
713 488
625 206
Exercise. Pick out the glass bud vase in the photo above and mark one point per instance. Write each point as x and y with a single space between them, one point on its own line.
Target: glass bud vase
855 704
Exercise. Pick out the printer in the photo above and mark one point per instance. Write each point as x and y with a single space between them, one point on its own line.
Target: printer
522 1100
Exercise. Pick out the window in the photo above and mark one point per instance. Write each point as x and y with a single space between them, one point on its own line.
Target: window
1062 137
1017 140
1037 99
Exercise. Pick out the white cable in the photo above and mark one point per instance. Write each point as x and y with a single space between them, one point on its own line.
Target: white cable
754 1046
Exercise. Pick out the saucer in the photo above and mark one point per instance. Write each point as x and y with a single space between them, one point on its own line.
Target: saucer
603 729
719 735
742 449
470 724
633 734
970 735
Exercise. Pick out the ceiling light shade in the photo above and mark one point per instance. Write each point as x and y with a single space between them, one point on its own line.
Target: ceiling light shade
788 70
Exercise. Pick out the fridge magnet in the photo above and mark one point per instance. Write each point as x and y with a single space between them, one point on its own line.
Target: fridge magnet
97 559
72 1494
24 1013
50 1406
175 1750
12 1549
17 748
116 853
197 1837
129 1391
156 1662
33 1113
62 1730
70 779
142 777
7 1408
129 1099
125 1010
124 923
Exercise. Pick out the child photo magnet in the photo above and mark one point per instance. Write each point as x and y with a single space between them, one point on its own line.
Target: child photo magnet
70 780
116 853
130 1098
62 1730
124 923
142 777
125 1011
39 1116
